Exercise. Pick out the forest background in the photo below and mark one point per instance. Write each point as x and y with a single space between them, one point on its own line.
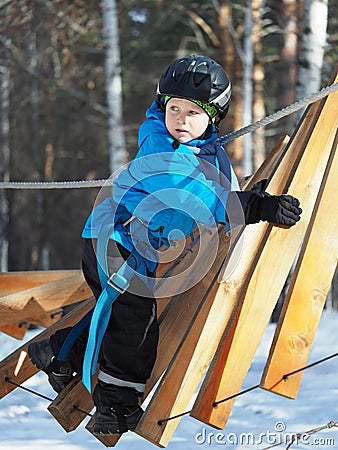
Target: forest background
77 76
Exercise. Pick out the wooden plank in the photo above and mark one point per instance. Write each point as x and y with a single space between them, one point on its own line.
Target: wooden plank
268 165
227 371
179 313
31 303
11 282
43 318
69 408
189 363
186 370
176 318
307 292
105 439
14 330
46 318
17 366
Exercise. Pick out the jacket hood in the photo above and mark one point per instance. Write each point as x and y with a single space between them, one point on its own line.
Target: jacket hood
154 123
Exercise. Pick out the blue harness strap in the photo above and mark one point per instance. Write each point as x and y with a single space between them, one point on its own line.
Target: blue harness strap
112 287
115 285
73 335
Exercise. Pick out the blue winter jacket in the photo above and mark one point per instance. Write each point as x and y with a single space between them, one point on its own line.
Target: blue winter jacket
170 188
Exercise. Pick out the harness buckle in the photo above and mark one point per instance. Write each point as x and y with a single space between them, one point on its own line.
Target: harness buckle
128 221
118 282
173 243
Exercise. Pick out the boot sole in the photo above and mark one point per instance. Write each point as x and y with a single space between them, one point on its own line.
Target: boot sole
36 351
107 426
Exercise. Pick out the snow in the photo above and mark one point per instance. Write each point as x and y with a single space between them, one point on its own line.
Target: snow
26 424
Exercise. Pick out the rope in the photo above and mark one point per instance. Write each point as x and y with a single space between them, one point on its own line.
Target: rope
37 394
223 140
162 421
51 184
215 404
167 419
8 380
287 375
298 436
281 113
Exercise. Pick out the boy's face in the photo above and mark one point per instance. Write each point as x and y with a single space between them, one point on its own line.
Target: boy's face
185 120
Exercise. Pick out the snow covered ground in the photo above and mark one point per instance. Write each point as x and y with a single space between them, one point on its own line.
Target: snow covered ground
25 423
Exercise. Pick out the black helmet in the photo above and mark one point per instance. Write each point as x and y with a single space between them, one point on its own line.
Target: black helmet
197 78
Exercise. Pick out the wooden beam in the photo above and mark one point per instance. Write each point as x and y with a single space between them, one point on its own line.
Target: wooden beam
30 303
173 322
268 165
14 330
307 292
69 408
44 319
191 360
227 370
178 314
11 282
18 367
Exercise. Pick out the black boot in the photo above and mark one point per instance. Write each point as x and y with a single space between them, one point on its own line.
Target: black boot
117 409
43 357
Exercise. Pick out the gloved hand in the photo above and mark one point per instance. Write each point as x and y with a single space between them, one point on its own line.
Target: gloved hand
260 186
257 206
276 209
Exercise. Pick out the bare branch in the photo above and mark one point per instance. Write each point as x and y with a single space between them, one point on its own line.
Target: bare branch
201 23
70 91
61 15
4 5
232 31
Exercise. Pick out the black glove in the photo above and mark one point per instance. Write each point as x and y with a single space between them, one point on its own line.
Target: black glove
256 206
260 186
276 209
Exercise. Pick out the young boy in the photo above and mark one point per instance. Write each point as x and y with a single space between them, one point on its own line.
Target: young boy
180 177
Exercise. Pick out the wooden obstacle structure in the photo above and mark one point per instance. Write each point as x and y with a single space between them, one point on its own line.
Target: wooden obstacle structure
209 333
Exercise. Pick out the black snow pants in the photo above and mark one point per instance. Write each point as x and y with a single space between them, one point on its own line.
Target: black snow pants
128 350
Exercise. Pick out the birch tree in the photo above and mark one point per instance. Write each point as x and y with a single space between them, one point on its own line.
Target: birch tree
116 140
258 84
248 64
312 47
4 151
4 165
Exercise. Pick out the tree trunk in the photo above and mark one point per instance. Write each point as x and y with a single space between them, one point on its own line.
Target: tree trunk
39 251
258 83
231 59
4 165
248 88
287 62
117 148
312 49
4 151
